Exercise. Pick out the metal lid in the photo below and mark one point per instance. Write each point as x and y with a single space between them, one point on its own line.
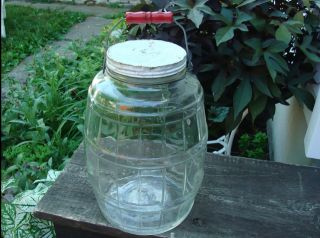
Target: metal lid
146 59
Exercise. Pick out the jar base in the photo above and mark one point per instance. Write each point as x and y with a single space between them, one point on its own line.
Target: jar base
139 210
149 231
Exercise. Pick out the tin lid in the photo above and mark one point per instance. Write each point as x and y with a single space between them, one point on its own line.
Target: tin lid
146 59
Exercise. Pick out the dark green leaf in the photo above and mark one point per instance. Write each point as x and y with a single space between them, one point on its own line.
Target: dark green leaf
294 26
218 114
254 43
22 122
183 5
257 106
277 46
275 64
242 17
270 66
224 34
134 30
306 3
277 13
301 79
207 67
310 55
195 16
200 2
283 34
242 96
219 17
262 86
256 57
271 108
257 3
228 15
280 61
246 2
274 89
275 22
12 169
232 123
8 215
293 23
258 23
306 41
80 127
303 97
299 17
206 10
235 74
237 2
218 85
242 27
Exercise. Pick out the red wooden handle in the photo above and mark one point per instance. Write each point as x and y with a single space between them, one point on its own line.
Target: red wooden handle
149 17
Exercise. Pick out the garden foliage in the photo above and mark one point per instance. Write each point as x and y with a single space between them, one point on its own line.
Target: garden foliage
247 54
42 125
16 217
254 146
28 29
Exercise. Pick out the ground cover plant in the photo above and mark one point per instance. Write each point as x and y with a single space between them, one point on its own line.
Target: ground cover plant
248 55
28 29
42 125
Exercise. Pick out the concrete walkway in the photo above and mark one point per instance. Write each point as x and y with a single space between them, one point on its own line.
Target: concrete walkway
82 32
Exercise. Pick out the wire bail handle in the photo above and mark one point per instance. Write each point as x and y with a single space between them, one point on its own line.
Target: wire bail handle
148 18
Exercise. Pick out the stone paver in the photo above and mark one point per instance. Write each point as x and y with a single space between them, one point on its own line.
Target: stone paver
82 32
20 72
94 10
87 29
62 48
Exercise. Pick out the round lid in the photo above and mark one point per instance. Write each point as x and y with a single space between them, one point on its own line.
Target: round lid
146 58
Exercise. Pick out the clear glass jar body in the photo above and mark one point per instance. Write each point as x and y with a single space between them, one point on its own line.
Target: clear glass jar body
145 147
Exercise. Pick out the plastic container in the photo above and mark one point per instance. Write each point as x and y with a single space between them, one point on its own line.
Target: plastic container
145 136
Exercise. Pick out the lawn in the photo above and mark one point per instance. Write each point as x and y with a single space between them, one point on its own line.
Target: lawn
29 29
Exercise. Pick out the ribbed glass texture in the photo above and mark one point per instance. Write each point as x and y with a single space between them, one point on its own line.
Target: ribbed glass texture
145 147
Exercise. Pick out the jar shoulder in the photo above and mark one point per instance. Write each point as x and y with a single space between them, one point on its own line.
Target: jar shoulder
105 91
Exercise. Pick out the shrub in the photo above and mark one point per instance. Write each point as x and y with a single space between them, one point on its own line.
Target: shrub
254 146
249 54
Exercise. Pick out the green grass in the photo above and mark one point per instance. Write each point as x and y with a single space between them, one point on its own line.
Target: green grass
29 29
114 5
114 15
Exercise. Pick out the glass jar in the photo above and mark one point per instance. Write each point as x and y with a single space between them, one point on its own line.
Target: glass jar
145 137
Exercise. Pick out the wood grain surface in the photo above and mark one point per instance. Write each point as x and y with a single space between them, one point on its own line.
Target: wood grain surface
239 197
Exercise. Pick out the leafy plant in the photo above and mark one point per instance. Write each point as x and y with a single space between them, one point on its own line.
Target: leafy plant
254 146
26 163
249 54
114 5
114 15
28 29
16 217
42 123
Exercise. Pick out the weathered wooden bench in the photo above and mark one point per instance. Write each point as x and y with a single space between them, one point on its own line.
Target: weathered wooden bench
239 197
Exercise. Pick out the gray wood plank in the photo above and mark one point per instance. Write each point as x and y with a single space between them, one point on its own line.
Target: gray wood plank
239 197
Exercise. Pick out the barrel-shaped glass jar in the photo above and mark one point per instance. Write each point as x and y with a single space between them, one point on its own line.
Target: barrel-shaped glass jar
145 142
